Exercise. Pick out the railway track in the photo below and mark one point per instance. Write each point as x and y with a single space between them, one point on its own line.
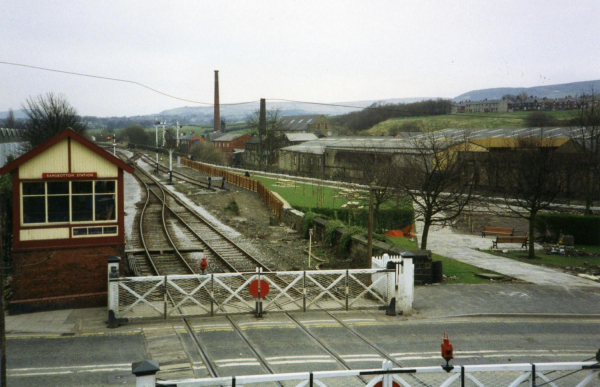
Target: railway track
189 235
178 175
165 212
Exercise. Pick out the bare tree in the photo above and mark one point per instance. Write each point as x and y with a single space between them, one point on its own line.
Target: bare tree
48 115
273 138
207 153
10 122
539 120
433 175
373 167
585 134
529 176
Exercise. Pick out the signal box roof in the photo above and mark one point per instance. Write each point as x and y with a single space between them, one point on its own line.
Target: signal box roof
67 133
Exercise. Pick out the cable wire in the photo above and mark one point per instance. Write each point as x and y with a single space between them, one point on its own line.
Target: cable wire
408 113
121 80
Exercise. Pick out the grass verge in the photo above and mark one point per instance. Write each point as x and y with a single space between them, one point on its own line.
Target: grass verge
556 260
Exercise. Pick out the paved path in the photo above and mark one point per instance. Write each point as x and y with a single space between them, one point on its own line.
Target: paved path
462 247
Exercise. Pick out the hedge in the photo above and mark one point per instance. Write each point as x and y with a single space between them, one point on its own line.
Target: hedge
585 229
386 219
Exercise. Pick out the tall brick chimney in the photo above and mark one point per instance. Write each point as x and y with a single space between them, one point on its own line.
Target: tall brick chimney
217 106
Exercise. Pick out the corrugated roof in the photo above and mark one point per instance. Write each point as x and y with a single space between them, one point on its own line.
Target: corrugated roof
293 137
229 137
298 123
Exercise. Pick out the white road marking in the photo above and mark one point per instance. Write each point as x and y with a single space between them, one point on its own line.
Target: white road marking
237 360
238 364
302 361
298 357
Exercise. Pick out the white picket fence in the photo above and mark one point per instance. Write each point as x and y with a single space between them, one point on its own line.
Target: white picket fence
228 293
576 374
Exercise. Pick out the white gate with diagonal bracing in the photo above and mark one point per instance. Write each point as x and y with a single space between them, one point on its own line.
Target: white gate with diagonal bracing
228 293
577 374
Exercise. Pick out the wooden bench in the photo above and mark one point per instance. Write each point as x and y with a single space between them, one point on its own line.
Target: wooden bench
511 239
497 231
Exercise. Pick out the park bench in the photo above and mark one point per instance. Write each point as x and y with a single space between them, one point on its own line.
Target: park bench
510 239
497 231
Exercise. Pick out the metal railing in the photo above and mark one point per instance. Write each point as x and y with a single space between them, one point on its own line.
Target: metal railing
576 374
228 293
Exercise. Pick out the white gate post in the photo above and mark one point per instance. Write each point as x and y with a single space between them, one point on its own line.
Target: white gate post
113 291
113 286
406 286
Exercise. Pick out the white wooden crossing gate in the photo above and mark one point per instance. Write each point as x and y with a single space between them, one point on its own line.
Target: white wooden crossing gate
576 374
227 293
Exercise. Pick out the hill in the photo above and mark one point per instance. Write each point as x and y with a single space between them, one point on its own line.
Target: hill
236 112
551 91
459 121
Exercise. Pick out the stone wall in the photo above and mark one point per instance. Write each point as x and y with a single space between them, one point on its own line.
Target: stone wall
358 251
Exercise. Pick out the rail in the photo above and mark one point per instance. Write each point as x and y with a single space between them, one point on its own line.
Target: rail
573 374
275 204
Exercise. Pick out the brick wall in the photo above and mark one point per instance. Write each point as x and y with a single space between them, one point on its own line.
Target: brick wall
71 278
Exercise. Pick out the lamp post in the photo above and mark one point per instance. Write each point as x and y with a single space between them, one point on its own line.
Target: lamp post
114 146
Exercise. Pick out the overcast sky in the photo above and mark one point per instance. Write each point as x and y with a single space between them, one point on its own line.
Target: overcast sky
324 51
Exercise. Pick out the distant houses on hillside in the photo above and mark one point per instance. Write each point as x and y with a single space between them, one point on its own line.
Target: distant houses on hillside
509 105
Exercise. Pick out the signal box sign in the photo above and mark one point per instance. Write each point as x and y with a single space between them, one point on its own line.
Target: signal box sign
81 175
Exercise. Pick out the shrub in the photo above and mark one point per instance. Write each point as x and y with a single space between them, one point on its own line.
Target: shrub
583 228
330 228
233 207
309 222
344 245
386 219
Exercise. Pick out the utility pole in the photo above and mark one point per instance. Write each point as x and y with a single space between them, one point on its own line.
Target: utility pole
370 230
262 129
3 224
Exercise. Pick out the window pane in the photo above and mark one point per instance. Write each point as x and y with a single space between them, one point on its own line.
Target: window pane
82 187
58 187
80 231
105 207
105 187
34 209
95 230
58 208
110 230
82 207
33 189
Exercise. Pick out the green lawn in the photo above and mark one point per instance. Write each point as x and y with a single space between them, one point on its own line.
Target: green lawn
462 121
556 260
464 273
305 195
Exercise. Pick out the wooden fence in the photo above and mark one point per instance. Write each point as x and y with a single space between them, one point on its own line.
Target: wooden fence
274 203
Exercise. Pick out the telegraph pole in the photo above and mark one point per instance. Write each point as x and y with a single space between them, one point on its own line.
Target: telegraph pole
262 129
370 230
